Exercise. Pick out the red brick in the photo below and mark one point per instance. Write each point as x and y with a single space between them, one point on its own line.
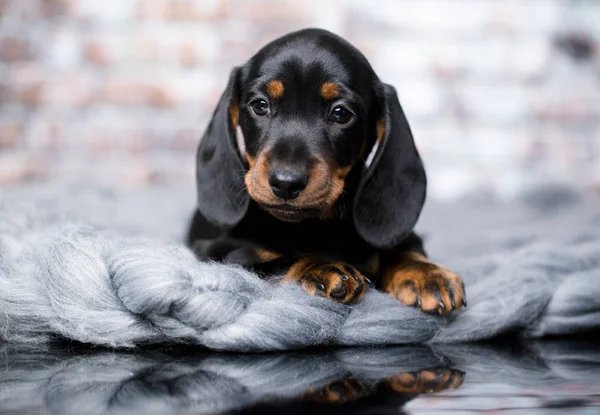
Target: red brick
10 135
70 90
181 9
122 93
192 10
128 93
149 9
54 8
95 52
31 94
13 49
178 10
158 96
271 11
188 55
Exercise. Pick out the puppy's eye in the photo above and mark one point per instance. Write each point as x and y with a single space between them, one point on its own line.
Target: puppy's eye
260 107
340 115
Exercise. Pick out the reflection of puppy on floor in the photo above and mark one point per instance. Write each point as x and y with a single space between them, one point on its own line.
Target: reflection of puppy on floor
357 380
65 381
394 390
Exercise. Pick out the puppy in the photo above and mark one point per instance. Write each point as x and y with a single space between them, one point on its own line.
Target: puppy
308 168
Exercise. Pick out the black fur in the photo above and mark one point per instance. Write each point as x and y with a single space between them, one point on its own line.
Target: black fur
221 195
379 205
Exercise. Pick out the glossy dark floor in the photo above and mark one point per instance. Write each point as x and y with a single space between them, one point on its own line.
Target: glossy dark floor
540 377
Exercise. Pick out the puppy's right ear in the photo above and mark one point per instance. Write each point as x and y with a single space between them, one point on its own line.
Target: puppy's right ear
222 195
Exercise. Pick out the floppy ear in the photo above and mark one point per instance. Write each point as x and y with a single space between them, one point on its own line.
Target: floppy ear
222 196
391 192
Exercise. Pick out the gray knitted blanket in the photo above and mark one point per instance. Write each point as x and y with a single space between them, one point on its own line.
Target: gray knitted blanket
530 267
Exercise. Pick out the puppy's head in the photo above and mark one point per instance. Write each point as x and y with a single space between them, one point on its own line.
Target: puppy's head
293 123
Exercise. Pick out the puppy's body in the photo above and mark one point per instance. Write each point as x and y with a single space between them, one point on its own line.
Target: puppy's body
323 183
259 233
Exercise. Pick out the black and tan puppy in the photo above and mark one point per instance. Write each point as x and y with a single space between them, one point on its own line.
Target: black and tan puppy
309 168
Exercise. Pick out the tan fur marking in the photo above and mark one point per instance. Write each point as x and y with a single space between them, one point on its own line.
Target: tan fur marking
415 256
414 280
325 185
275 89
265 255
342 172
313 272
337 184
251 160
256 179
380 129
329 90
298 269
407 296
234 113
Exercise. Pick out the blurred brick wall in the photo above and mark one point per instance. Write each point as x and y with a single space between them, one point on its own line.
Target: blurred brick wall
501 94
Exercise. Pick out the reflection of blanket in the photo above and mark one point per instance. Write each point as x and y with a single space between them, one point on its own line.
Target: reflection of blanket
531 267
64 382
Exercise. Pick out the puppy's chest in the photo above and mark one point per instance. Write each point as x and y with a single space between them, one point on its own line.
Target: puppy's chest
336 241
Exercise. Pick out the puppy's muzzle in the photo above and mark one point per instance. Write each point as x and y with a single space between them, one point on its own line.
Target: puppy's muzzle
287 183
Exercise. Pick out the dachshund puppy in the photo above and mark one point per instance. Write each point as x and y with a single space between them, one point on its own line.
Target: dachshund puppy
308 168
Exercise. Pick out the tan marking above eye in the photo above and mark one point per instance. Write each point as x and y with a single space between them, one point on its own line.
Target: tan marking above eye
329 90
275 89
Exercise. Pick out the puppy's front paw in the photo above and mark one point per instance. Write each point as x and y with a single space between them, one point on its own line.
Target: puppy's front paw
422 284
338 281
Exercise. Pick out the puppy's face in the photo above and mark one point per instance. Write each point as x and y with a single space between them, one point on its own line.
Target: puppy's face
305 110
311 111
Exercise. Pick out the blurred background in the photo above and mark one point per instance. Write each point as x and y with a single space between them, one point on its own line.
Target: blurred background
502 95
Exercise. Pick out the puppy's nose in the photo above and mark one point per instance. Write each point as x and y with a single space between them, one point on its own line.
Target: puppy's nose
286 183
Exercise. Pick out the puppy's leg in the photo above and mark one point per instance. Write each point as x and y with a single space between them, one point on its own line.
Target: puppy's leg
338 281
409 276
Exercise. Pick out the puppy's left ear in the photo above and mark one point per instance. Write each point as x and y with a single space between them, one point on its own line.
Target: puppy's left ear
222 195
391 192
